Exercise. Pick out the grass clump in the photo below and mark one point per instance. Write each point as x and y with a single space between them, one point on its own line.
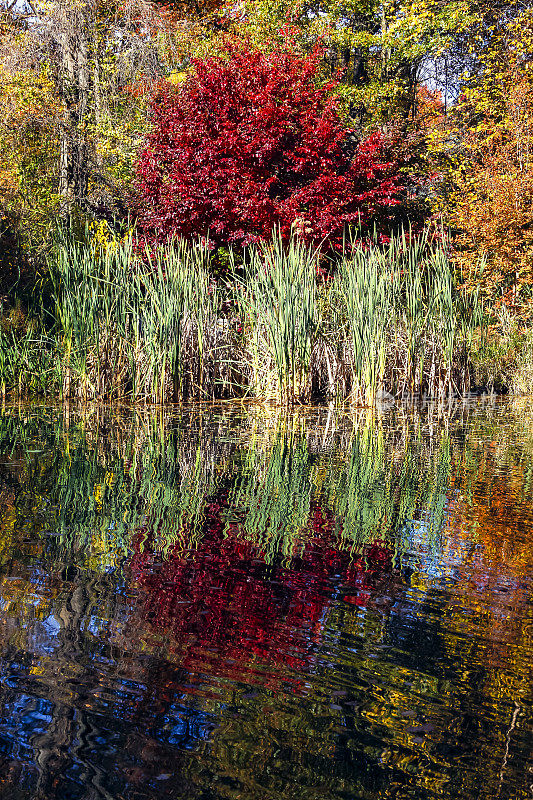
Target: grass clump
137 325
123 322
503 357
400 326
277 304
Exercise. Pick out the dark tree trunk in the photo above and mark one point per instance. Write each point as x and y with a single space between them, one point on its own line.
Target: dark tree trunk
74 85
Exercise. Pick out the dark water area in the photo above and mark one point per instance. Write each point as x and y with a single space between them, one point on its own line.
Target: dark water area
251 604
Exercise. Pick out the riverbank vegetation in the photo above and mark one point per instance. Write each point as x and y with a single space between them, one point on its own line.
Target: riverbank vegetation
119 322
283 201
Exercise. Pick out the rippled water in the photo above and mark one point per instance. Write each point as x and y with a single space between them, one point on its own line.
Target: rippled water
220 603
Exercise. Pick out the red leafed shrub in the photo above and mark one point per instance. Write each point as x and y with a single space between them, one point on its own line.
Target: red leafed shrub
249 142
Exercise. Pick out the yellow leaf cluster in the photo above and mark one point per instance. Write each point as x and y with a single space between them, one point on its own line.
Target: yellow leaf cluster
492 205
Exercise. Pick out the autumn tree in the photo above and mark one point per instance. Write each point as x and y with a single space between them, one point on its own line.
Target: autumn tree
249 142
29 148
490 154
99 61
380 52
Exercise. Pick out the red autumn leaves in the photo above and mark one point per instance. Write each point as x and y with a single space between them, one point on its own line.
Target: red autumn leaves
249 142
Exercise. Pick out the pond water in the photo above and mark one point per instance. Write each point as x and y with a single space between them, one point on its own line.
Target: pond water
246 603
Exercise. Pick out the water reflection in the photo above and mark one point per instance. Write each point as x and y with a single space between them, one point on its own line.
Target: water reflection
252 604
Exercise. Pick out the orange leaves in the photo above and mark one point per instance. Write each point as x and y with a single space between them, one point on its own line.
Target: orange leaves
140 88
178 9
9 183
492 205
429 106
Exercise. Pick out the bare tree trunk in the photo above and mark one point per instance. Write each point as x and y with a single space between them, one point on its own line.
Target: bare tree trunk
74 84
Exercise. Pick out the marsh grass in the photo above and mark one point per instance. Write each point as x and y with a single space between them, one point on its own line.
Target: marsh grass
277 304
503 357
138 325
400 326
154 326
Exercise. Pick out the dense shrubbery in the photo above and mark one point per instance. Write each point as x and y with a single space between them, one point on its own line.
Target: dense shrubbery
250 142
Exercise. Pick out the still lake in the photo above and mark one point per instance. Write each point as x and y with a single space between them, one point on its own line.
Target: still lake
241 602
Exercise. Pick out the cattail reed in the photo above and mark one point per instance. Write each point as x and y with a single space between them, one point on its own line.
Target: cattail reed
277 301
154 326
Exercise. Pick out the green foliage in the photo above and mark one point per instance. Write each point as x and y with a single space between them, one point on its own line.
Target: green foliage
152 325
503 358
379 51
277 304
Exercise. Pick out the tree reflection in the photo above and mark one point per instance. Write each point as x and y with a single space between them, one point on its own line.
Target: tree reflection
223 604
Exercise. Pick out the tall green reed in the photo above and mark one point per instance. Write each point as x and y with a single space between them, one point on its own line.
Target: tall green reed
153 325
363 295
277 302
135 323
403 328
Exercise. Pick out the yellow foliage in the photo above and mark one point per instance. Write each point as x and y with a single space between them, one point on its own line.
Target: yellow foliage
29 111
177 77
492 202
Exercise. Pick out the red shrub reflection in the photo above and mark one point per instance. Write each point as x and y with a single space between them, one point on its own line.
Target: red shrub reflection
223 605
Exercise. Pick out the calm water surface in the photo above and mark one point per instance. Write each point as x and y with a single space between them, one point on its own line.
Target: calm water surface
249 604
